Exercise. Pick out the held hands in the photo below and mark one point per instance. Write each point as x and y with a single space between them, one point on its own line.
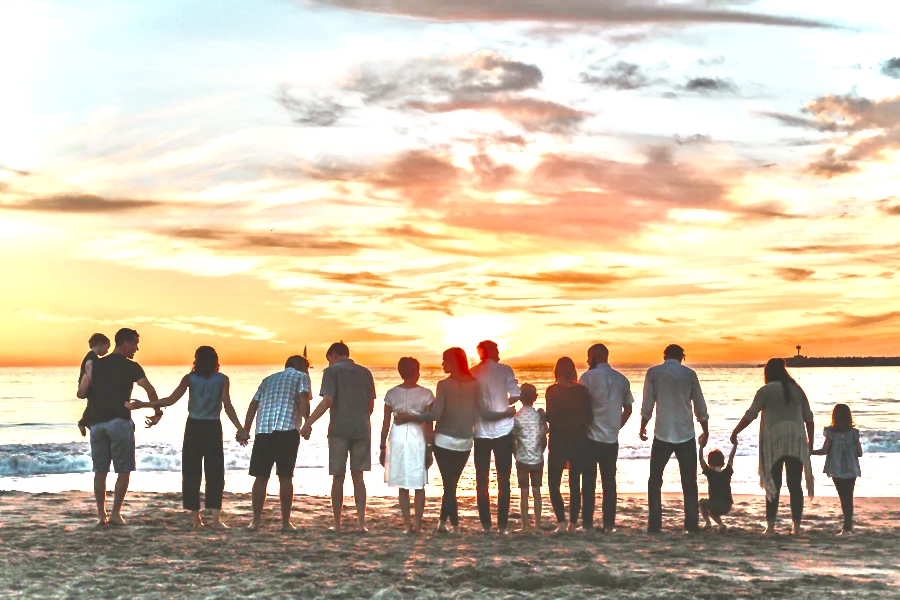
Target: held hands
153 419
136 404
734 439
704 437
306 431
242 437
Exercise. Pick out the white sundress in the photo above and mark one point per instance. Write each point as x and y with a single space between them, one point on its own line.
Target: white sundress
405 460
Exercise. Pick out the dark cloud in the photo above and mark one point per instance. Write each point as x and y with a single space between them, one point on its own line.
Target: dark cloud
889 206
793 273
619 76
231 239
314 112
891 67
84 204
584 11
864 130
709 85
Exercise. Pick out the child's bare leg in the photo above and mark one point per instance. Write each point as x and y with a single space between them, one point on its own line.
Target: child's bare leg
718 520
523 507
420 509
100 497
404 509
537 507
704 512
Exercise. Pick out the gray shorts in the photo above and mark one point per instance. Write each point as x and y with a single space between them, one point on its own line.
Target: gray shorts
113 441
360 452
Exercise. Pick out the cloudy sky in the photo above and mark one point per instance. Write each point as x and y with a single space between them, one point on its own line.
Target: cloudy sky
407 175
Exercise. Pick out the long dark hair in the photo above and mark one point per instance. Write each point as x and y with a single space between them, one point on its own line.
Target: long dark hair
206 362
565 371
842 418
776 370
462 361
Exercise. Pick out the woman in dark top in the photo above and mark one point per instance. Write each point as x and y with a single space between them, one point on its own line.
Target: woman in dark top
203 446
568 414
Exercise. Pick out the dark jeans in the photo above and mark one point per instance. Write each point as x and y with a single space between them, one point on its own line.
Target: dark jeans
502 448
451 464
202 451
794 469
686 453
605 455
845 492
582 483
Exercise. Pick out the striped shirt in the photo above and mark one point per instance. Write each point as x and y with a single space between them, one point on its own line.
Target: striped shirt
277 397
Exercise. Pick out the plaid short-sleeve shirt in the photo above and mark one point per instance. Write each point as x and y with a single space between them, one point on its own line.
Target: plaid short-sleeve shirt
277 395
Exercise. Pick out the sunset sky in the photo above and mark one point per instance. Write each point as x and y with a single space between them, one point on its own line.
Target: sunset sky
407 175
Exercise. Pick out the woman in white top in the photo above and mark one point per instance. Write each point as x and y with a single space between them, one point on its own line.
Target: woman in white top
404 457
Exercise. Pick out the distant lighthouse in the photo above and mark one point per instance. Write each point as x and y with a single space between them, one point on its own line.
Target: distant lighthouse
798 351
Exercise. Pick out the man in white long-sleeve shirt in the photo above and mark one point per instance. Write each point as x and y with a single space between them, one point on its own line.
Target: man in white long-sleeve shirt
672 388
494 433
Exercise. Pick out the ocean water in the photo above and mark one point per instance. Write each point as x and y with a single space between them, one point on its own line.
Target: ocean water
41 449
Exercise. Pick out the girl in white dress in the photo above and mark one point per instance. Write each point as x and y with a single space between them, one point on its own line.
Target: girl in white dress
404 457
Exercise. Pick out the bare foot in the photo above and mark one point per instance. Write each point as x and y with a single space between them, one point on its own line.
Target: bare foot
410 531
288 527
485 529
561 528
442 528
197 521
609 530
218 525
254 525
116 521
573 527
455 530
795 529
723 528
770 530
102 521
362 529
503 532
335 529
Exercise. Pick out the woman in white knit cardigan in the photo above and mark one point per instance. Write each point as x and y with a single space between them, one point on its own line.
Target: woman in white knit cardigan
786 433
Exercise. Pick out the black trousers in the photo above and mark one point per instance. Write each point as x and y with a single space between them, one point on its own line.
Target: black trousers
582 483
686 453
451 464
502 448
202 451
605 455
845 493
794 469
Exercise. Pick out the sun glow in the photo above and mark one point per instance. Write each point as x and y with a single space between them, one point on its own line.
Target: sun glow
467 330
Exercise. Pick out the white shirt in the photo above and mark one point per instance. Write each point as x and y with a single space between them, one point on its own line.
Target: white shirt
277 395
498 384
672 387
610 393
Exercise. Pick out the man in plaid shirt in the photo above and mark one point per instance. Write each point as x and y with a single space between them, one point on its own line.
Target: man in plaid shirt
278 405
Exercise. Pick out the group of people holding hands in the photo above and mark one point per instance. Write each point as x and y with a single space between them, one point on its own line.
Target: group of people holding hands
472 411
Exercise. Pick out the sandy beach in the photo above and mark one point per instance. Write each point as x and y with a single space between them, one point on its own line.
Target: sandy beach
50 547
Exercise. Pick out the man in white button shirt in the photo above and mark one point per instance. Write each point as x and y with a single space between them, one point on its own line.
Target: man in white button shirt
494 433
672 388
611 402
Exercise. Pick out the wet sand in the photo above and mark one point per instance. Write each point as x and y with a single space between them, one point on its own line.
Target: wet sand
50 547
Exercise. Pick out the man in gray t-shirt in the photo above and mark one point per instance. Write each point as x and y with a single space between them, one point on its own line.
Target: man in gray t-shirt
348 390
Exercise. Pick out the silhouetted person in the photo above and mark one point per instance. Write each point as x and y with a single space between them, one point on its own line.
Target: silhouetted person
348 391
203 450
672 389
569 416
111 380
786 433
99 346
279 405
611 402
494 435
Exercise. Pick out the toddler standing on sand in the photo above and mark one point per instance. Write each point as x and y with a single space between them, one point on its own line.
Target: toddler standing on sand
99 345
718 474
530 439
842 450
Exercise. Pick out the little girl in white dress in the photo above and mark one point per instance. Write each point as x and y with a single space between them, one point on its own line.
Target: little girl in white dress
404 456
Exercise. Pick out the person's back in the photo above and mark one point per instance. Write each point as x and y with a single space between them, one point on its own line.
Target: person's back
673 388
205 396
112 382
776 408
530 437
352 388
842 459
610 393
719 480
569 415
498 384
456 409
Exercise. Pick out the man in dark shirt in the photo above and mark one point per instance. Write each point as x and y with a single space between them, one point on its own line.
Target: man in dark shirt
110 381
348 389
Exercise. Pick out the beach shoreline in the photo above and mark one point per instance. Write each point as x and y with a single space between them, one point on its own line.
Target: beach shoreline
51 547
